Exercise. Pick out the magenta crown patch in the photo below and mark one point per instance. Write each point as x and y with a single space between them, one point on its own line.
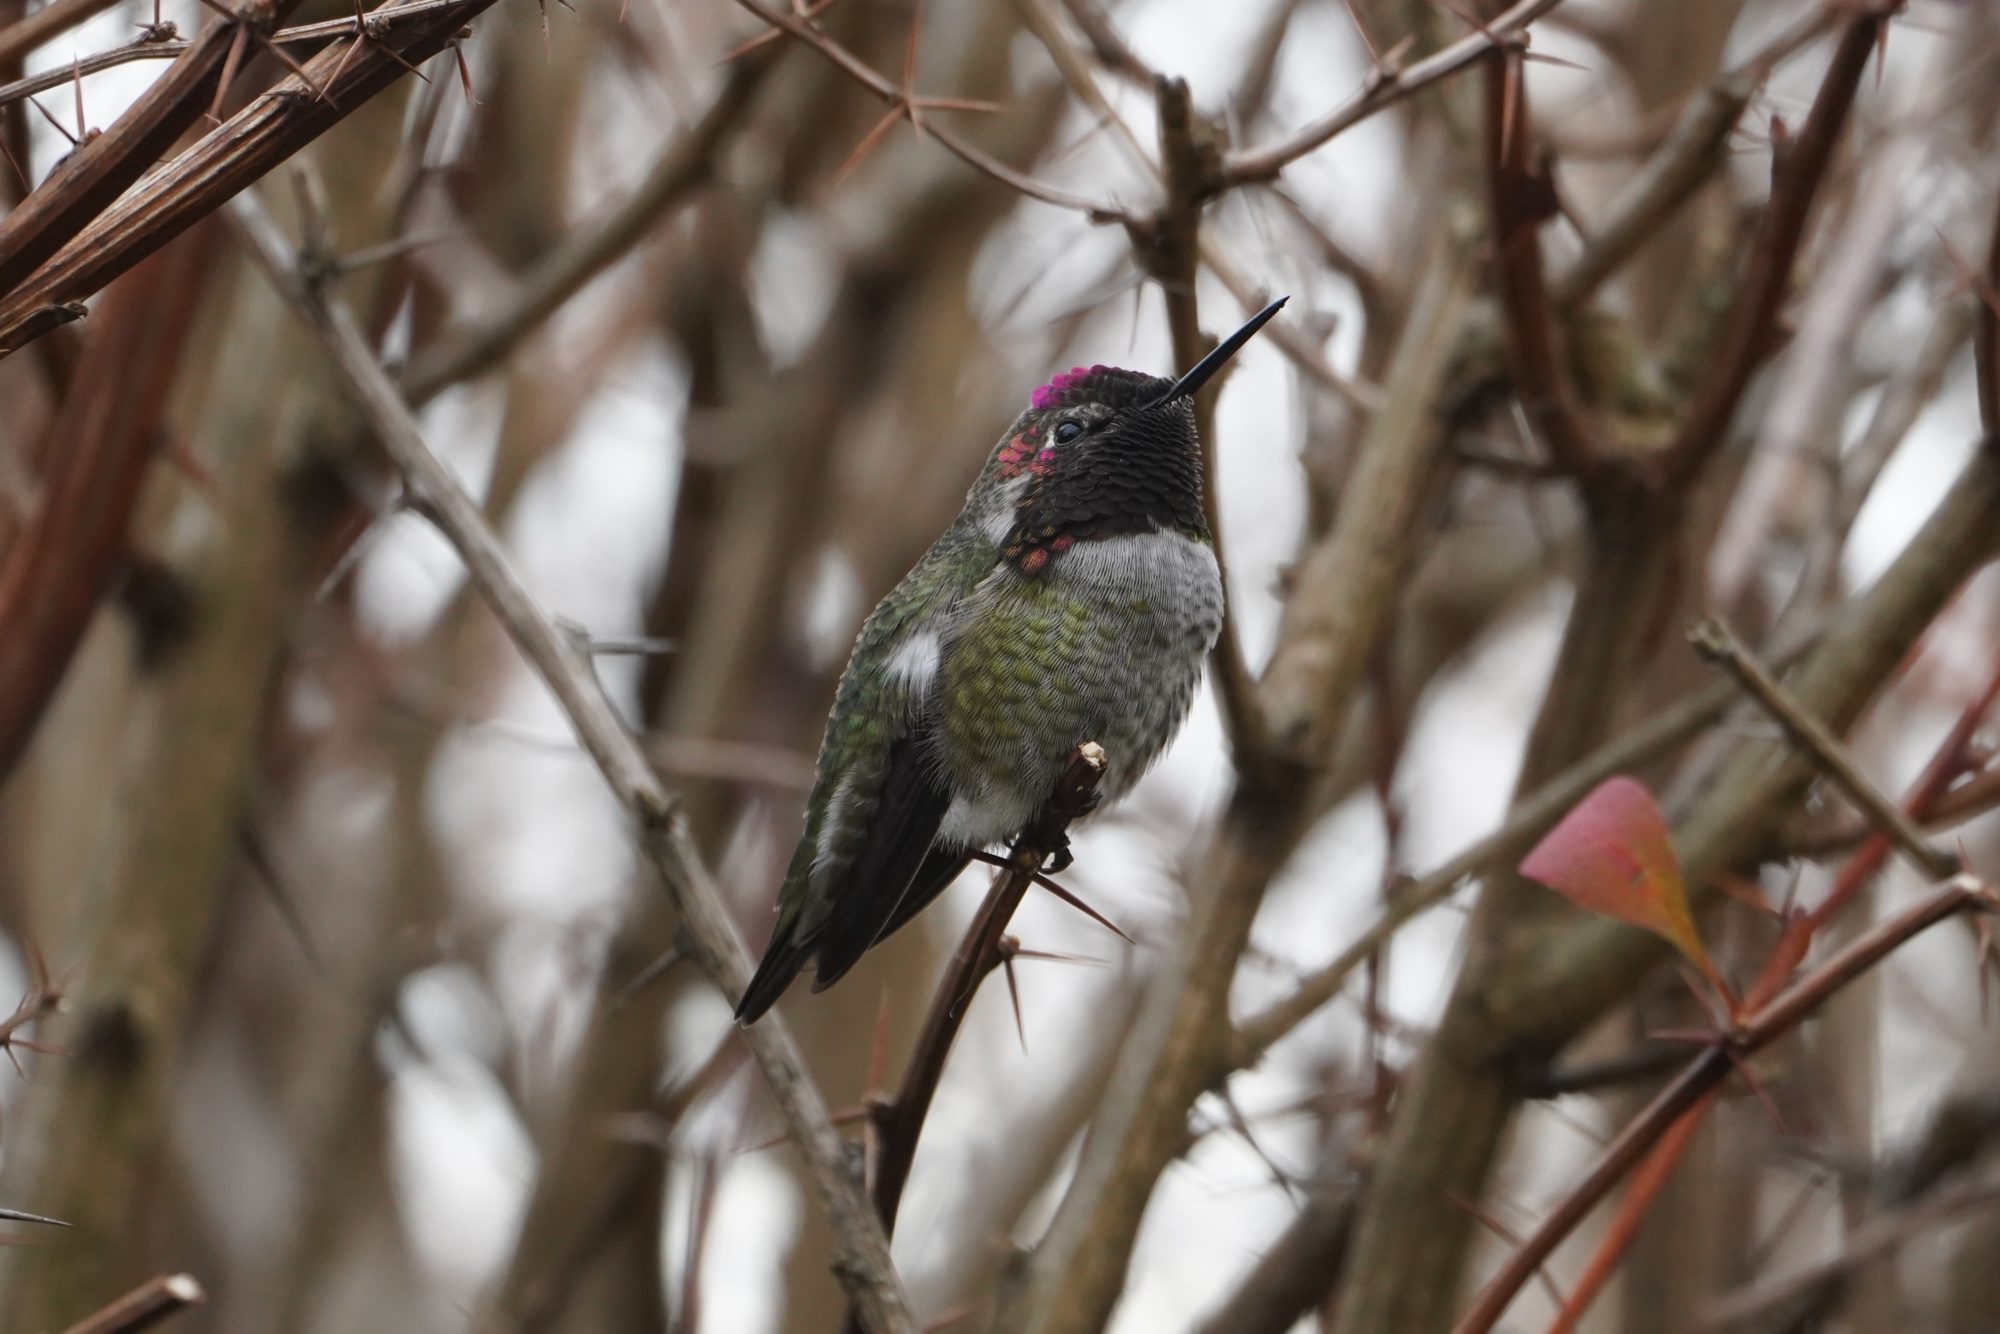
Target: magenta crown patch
1096 384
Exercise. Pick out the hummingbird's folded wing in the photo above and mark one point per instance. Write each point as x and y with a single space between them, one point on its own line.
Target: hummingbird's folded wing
862 866
910 808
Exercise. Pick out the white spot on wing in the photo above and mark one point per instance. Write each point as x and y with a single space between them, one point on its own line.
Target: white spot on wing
915 661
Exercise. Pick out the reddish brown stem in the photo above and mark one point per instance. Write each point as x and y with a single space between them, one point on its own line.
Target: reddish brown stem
1388 84
1945 765
254 141
1647 1183
96 454
1521 198
85 183
965 151
1705 1072
1798 169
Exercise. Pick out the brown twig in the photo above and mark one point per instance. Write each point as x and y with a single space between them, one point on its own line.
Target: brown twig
1798 169
1714 642
1693 151
244 148
1106 45
899 1123
862 73
99 172
1750 1035
680 168
862 1251
1978 795
1522 197
144 1307
1185 196
160 44
164 43
1168 246
1385 88
98 451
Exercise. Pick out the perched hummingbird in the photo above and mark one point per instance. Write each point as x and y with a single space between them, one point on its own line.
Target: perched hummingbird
1073 599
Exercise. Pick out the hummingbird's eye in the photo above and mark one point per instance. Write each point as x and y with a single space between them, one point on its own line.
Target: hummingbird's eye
1068 431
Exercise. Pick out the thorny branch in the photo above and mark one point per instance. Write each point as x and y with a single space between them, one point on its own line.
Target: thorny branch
1387 85
1521 197
1799 168
1747 1037
48 265
164 43
899 1123
858 70
862 1259
1693 151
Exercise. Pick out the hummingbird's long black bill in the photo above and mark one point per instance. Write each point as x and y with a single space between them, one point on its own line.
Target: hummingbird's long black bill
1190 383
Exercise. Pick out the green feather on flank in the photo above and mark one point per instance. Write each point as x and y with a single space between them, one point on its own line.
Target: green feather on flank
1005 682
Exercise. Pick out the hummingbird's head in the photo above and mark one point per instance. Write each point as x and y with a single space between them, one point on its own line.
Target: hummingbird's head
1102 451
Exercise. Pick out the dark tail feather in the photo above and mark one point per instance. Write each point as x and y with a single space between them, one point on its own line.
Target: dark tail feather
782 961
940 868
837 954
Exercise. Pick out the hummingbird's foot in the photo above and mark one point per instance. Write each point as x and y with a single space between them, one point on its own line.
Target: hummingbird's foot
1060 857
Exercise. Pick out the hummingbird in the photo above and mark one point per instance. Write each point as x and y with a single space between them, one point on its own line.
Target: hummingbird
1074 598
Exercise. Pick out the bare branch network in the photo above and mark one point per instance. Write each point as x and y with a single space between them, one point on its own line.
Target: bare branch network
1606 529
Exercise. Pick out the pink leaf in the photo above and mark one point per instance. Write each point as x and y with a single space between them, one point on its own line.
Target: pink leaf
1612 855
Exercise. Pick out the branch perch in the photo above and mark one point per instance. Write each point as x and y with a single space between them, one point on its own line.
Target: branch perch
899 1123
